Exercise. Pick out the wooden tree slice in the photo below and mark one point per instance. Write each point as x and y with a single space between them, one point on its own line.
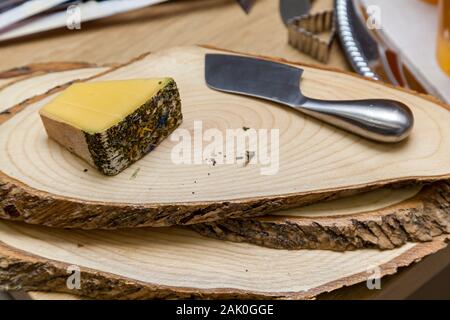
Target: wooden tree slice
5 82
41 183
342 224
43 68
382 219
179 263
13 262
47 296
14 75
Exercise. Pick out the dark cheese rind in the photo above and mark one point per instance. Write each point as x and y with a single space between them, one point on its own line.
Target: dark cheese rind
139 133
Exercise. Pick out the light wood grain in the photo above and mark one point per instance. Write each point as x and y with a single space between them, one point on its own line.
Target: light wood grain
173 262
5 82
19 91
361 203
42 68
36 270
123 37
132 36
17 74
47 296
394 287
316 161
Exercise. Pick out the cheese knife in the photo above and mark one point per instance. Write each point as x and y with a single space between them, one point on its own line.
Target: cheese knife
376 119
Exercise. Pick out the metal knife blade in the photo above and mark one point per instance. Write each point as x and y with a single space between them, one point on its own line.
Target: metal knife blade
254 77
246 5
377 119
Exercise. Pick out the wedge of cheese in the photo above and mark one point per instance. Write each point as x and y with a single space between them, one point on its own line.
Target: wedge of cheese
112 124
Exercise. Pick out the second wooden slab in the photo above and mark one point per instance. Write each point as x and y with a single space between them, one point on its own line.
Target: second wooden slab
178 263
385 218
41 183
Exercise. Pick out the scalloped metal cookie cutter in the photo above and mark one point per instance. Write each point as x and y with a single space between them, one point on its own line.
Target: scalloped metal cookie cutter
304 34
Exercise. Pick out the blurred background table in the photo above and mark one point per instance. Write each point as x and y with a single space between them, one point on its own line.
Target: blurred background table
118 39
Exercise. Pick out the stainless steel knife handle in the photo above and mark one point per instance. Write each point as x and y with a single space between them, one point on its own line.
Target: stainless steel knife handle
377 119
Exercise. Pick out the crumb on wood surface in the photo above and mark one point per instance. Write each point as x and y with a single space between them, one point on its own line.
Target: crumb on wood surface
135 173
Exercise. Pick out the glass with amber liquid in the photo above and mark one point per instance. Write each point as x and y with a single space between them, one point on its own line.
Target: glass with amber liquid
443 46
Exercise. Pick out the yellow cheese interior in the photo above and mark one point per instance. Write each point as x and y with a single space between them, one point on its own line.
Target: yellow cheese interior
96 106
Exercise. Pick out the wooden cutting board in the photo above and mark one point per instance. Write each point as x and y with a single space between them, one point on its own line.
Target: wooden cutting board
27 254
384 219
178 263
44 184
